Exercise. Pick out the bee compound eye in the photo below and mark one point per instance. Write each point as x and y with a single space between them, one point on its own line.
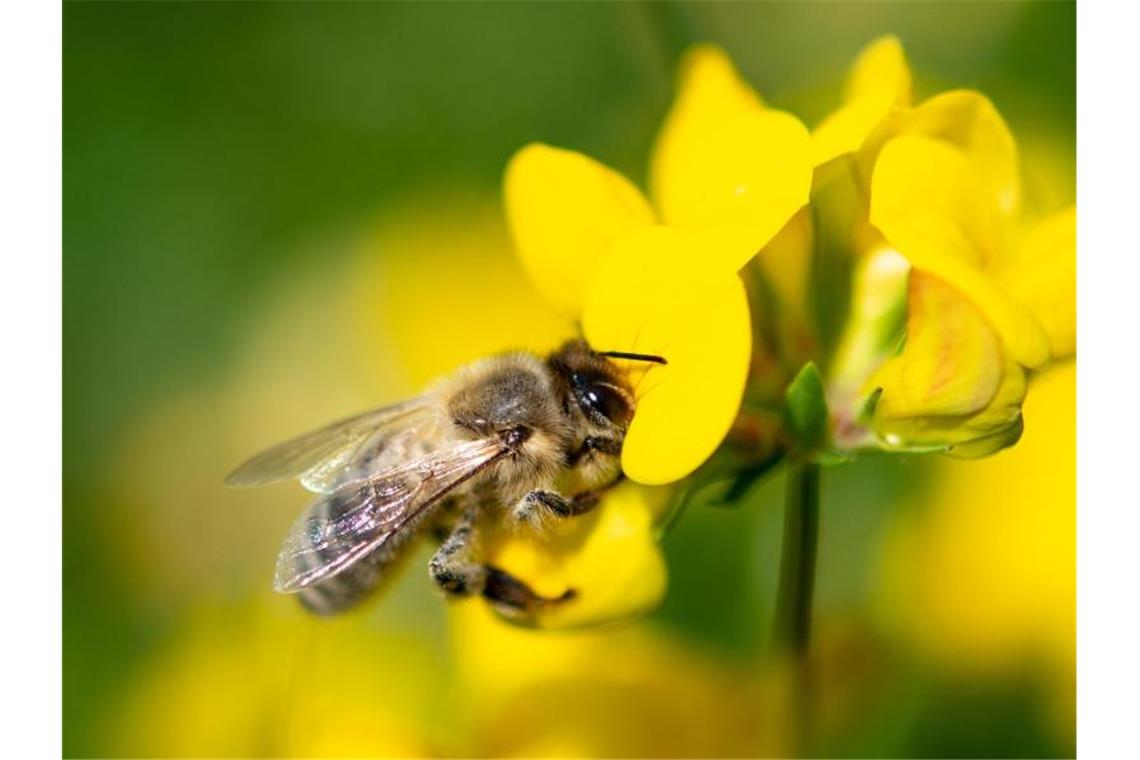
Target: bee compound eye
609 402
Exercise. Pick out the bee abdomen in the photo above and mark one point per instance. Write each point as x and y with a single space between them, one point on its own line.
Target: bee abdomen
355 583
343 591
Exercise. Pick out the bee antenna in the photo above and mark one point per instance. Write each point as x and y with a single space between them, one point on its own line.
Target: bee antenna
634 357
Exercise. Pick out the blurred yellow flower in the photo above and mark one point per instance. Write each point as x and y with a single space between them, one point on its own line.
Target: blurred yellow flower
273 682
726 175
983 577
628 691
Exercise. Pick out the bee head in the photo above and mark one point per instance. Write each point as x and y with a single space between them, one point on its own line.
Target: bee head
595 384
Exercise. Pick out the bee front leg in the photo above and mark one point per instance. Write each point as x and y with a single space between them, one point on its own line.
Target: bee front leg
593 445
540 503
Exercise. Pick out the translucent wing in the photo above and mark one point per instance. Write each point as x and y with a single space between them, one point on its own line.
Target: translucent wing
357 519
322 458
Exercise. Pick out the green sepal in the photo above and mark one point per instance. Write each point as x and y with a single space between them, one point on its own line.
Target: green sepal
805 410
832 457
868 410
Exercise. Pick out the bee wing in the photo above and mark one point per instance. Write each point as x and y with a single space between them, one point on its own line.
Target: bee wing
341 528
324 452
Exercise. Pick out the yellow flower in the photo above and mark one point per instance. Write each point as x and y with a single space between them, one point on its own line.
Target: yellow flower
984 306
985 301
952 387
947 218
727 174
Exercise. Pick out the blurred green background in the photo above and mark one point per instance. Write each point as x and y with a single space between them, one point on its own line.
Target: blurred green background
233 171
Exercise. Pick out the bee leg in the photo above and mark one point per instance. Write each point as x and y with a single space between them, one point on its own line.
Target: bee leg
514 599
541 501
453 567
540 504
592 444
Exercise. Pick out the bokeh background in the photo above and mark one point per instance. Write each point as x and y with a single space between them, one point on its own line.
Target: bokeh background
277 213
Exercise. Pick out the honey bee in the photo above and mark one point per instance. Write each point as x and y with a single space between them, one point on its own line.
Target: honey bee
517 437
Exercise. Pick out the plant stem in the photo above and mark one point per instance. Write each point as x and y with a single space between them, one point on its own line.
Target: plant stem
792 630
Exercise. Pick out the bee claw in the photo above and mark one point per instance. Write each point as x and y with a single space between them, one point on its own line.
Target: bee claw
514 599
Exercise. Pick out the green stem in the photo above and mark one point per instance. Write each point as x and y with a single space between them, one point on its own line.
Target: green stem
792 630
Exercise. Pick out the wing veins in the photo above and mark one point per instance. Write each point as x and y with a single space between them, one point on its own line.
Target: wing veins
342 562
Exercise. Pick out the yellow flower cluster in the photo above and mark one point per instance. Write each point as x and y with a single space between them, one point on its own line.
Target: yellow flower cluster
954 298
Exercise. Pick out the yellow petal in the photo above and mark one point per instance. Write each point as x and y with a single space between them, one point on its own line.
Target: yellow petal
932 207
999 425
996 427
654 293
952 387
609 558
967 120
879 82
1043 276
951 364
565 209
723 160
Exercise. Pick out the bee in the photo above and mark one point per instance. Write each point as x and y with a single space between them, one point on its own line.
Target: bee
516 437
